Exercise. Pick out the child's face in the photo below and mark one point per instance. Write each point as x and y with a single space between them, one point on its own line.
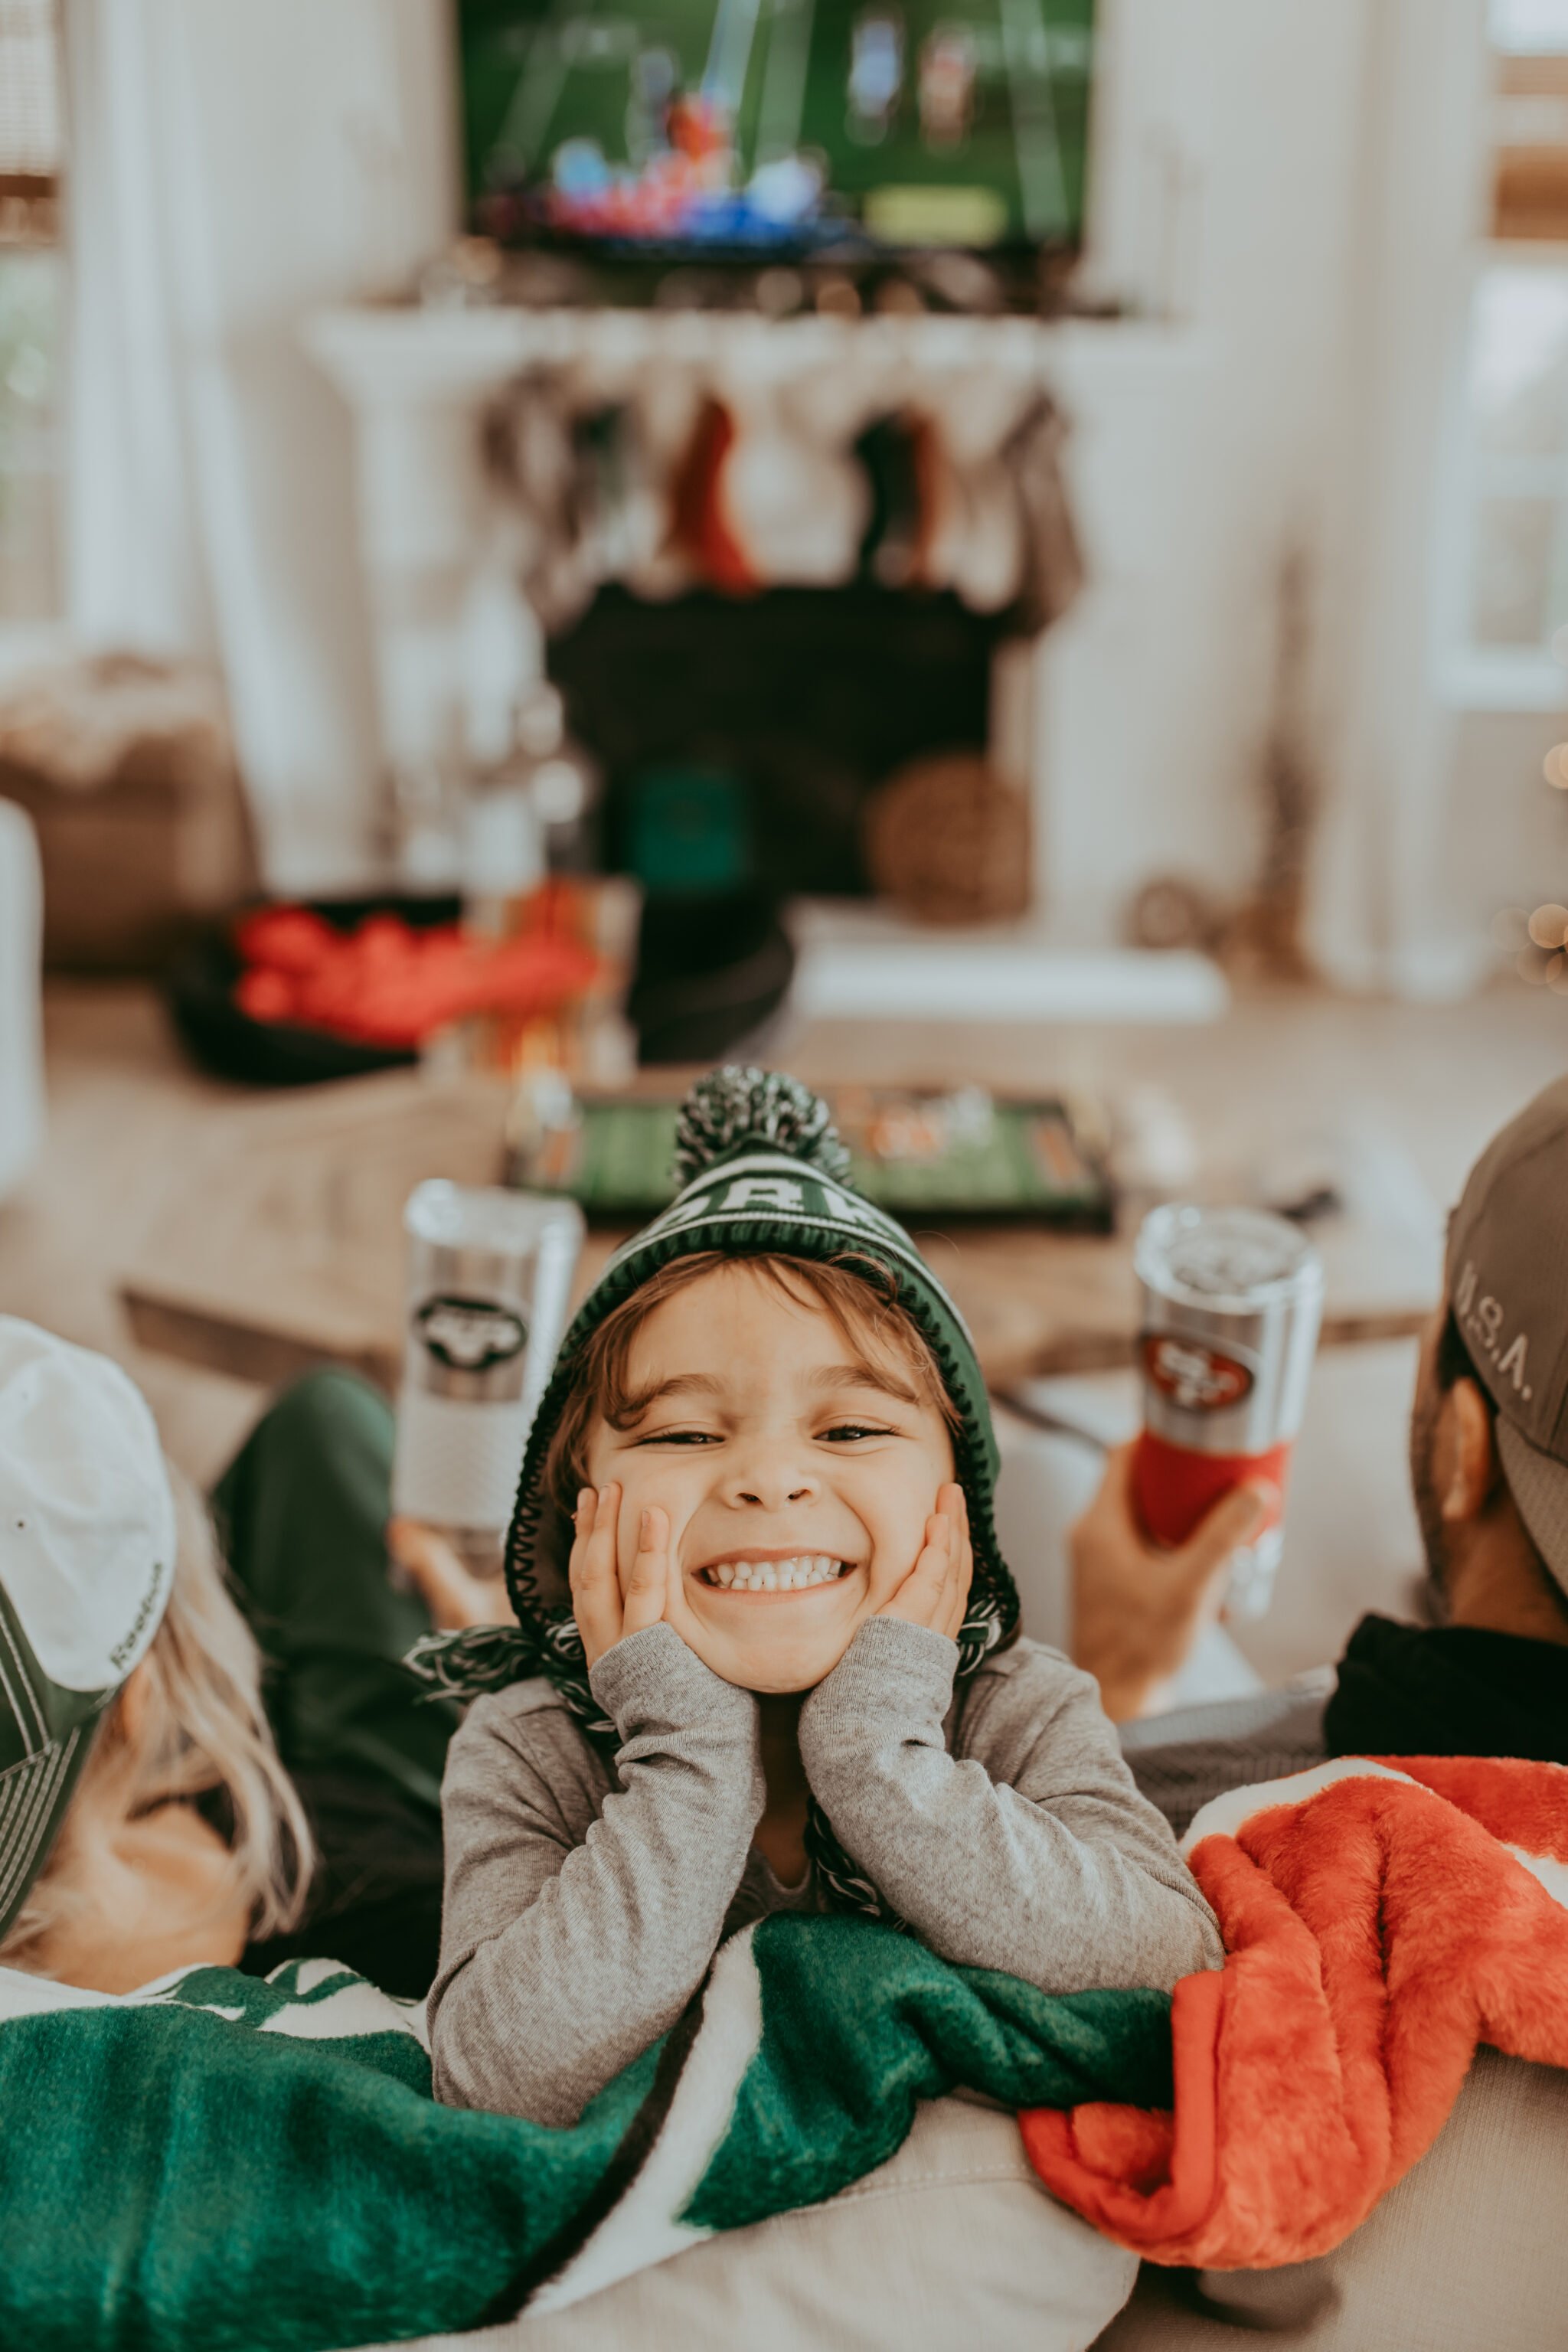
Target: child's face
767 1443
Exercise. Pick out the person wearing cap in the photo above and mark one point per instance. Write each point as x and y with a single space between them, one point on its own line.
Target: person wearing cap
128 1683
1489 1463
204 1761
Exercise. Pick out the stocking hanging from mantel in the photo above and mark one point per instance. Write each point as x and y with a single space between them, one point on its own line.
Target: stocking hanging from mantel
695 478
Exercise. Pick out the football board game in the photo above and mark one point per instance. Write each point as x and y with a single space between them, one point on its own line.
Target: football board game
791 123
963 1154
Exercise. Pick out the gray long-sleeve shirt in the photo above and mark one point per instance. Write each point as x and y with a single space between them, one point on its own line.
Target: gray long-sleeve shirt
585 1904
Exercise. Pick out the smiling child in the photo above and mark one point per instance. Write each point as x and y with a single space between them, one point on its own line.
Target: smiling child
767 1654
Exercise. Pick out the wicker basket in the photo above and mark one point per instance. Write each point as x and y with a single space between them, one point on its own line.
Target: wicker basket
947 840
126 769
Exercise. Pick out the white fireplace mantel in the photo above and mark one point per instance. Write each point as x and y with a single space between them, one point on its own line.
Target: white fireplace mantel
401 354
418 382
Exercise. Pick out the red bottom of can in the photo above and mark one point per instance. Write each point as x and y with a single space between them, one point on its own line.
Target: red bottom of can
1175 1487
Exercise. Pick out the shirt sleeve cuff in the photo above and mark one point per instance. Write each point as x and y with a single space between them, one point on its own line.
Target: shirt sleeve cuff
651 1681
892 1674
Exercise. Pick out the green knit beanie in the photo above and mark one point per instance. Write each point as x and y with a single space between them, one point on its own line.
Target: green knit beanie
762 1173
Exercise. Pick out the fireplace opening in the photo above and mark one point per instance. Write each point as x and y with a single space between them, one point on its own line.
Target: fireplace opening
761 725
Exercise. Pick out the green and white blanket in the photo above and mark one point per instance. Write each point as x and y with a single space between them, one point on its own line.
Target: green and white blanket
219 2164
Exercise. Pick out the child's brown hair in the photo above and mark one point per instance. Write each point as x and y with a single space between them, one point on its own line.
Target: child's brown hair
858 1292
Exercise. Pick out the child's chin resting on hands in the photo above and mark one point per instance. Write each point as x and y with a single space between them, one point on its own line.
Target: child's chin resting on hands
780 1661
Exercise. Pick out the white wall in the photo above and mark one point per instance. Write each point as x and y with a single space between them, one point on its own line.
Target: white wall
1505 836
1228 140
1294 187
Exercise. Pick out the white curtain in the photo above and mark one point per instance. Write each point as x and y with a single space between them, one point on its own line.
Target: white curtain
1383 911
234 167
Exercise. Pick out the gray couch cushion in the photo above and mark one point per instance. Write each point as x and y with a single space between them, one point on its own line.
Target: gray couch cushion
1469 2253
952 2242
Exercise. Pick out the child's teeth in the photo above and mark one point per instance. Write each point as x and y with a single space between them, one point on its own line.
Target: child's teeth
775 1575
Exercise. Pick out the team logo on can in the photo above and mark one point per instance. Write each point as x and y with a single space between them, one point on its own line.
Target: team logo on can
1197 1379
470 1335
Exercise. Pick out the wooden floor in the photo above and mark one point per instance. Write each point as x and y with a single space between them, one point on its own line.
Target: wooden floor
123 1106
125 1111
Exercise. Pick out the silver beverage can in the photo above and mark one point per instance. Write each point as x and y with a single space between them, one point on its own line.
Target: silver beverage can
488 1286
1232 1300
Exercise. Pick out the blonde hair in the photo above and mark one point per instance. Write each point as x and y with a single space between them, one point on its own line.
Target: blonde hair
200 1726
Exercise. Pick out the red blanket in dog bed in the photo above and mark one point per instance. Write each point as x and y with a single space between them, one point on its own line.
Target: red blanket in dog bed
1381 1917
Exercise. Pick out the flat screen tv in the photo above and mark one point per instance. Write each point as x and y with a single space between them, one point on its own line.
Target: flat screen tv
792 126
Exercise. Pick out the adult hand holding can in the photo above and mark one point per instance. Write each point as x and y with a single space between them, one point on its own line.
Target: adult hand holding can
1232 1300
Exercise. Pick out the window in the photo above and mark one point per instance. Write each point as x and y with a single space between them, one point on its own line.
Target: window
31 322
1517 466
1509 597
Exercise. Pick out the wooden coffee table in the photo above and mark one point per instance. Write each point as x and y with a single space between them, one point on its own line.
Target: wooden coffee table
282 1246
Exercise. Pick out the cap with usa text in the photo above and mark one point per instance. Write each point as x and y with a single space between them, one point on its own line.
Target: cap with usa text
1507 1291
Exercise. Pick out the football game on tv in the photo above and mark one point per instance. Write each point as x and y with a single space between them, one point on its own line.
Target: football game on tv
799 126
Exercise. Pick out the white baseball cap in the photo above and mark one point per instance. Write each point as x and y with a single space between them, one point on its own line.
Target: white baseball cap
87 1561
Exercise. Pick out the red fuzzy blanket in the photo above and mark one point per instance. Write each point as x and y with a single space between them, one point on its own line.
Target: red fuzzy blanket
1380 1919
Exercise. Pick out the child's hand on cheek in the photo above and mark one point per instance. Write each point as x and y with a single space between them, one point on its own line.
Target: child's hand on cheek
936 1590
603 1613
